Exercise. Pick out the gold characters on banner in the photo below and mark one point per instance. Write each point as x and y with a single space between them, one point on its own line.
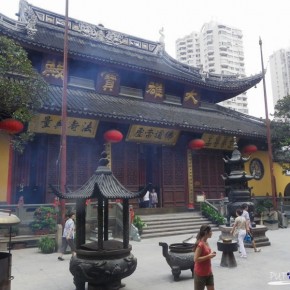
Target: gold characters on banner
51 124
155 89
218 141
53 69
152 135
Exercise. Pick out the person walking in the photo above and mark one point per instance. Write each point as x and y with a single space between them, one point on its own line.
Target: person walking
240 229
68 236
246 215
203 275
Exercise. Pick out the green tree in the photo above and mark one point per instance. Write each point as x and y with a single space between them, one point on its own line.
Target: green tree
22 89
280 130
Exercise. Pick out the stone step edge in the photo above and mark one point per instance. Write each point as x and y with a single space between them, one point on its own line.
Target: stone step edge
174 222
144 235
176 225
169 216
161 230
172 219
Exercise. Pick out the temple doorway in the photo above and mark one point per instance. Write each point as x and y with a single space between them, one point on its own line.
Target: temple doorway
151 160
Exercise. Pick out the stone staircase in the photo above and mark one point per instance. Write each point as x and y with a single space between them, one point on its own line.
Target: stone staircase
170 224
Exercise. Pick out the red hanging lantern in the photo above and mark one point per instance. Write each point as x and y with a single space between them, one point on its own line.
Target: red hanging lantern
249 149
113 136
11 126
196 144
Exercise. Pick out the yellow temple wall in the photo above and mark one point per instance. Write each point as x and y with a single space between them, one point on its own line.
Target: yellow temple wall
263 186
4 166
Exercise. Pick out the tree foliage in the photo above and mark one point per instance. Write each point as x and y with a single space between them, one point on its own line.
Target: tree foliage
22 89
280 129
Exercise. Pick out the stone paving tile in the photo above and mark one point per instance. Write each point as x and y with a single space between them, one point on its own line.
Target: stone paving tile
34 271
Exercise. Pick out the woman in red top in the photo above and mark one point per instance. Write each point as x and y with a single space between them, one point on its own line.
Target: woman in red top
203 275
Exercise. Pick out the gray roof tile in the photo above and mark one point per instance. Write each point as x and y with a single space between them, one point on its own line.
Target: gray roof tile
207 118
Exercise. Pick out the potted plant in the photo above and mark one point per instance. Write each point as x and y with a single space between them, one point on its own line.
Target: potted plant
204 209
139 224
44 221
219 219
46 245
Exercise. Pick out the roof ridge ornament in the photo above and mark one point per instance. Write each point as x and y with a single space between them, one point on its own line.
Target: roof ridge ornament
32 15
161 46
28 16
162 36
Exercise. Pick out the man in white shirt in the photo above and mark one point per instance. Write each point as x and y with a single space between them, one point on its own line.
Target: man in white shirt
68 236
146 199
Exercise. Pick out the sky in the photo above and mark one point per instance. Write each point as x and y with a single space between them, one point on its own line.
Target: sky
256 18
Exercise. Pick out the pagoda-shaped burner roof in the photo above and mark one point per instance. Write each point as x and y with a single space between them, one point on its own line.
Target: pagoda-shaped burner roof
236 157
237 177
103 184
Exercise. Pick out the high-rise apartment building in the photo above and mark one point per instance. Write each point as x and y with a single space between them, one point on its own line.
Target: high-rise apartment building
217 48
280 74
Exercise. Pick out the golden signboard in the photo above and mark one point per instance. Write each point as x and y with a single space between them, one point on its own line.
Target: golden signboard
108 83
191 98
51 124
218 141
154 91
52 69
147 134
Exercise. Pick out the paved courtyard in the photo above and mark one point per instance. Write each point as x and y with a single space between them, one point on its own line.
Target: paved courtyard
34 271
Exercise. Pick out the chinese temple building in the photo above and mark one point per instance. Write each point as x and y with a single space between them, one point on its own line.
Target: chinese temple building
125 83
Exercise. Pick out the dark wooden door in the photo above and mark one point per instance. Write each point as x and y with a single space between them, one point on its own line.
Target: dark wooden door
125 164
208 166
174 177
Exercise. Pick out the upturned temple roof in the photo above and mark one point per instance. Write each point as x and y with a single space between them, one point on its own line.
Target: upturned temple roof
211 118
44 30
103 184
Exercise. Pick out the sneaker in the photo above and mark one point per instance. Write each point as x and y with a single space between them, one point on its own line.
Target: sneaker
60 259
243 256
258 250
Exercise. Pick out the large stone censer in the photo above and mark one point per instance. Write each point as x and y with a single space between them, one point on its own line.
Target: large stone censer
179 256
104 263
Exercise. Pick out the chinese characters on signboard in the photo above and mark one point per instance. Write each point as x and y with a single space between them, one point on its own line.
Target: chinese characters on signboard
52 70
154 91
191 98
51 124
148 134
218 141
108 83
